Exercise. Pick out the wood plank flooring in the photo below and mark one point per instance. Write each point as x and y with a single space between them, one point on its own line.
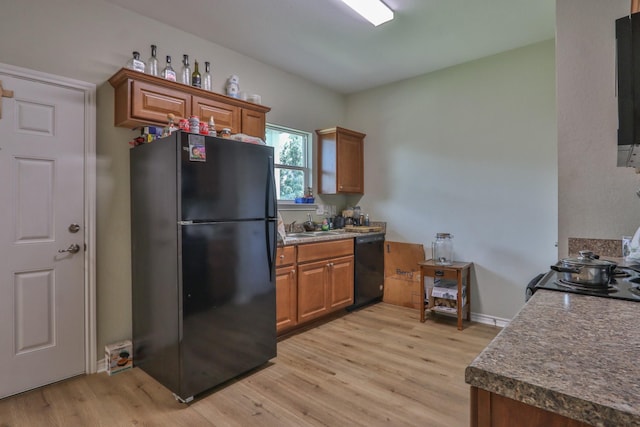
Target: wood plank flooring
378 366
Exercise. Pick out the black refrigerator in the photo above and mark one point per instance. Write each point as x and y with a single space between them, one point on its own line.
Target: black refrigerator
203 226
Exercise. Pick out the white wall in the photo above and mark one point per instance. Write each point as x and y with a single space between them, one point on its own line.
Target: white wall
90 40
469 150
596 198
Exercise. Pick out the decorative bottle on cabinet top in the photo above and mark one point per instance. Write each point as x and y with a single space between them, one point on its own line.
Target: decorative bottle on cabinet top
135 63
152 62
206 79
185 75
196 78
168 73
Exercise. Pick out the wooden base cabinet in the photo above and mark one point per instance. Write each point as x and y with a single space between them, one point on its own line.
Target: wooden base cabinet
325 278
286 298
286 289
341 282
313 295
492 410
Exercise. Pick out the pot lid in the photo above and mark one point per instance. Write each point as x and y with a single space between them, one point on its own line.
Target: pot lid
588 258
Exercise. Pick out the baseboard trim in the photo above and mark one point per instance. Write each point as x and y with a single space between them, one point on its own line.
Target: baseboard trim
489 320
101 366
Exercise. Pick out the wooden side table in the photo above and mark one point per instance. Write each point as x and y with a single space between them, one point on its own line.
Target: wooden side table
458 271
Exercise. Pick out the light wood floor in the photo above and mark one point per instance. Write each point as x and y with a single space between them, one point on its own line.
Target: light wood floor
376 367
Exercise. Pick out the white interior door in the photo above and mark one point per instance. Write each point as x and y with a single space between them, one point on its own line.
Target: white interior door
42 189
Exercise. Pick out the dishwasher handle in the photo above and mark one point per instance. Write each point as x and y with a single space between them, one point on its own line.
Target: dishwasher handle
369 239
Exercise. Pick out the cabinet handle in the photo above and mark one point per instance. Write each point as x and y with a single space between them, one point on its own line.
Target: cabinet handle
439 273
282 256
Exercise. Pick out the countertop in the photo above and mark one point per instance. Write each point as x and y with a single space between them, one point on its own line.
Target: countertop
289 241
575 355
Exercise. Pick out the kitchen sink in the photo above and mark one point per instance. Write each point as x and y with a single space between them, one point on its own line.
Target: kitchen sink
314 234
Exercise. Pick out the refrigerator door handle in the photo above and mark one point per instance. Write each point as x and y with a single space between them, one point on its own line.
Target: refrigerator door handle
271 247
270 195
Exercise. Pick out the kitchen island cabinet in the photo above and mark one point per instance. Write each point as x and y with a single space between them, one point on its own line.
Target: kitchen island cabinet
564 360
340 161
145 100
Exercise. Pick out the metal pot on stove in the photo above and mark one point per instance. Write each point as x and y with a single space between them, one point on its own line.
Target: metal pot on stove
586 269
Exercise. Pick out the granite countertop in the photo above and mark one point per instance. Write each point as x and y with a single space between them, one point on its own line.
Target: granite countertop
289 241
575 355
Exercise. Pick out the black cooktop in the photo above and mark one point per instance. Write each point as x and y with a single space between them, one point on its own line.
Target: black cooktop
625 285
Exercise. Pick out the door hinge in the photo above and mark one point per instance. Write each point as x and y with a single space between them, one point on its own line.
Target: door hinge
4 93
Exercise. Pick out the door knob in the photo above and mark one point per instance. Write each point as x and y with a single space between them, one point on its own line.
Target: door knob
72 249
74 228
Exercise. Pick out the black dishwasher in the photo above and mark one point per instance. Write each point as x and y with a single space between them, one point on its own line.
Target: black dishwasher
369 270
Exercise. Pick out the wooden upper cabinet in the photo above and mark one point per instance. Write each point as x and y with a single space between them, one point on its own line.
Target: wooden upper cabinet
224 115
254 123
144 100
340 161
152 103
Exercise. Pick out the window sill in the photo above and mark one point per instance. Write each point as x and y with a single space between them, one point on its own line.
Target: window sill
291 206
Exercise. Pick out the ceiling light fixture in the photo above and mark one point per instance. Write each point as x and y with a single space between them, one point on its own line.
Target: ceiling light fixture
374 11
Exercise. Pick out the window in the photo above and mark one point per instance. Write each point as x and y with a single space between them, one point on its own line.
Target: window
292 152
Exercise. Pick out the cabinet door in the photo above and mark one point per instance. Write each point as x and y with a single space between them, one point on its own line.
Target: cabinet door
325 250
340 161
224 115
313 292
350 164
492 410
151 103
254 123
340 282
286 298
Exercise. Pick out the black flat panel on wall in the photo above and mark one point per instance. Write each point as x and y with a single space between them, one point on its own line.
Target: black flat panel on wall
628 78
624 68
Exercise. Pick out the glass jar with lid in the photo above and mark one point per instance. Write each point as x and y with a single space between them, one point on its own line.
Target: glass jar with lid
442 249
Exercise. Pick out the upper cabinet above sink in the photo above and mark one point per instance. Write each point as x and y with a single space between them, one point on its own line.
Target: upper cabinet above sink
340 161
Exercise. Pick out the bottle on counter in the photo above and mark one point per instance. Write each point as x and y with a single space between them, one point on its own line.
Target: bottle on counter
185 74
366 220
206 78
196 78
152 62
168 73
135 63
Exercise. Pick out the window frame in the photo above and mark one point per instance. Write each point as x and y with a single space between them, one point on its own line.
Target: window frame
307 169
